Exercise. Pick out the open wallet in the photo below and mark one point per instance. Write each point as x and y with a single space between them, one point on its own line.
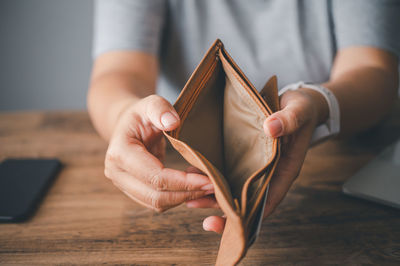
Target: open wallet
221 133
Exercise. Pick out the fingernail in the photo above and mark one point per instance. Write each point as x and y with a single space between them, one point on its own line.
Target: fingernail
274 127
206 226
168 120
208 187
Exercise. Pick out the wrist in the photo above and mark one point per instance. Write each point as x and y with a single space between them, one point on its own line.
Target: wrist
325 106
121 107
115 112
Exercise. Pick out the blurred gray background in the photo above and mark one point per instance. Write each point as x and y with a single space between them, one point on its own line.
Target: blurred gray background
45 54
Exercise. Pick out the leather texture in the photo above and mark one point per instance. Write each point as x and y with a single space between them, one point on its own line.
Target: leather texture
221 133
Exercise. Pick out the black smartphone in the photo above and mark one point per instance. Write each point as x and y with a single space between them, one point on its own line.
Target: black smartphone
23 183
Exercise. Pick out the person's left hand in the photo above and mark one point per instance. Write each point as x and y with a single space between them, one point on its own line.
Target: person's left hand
295 123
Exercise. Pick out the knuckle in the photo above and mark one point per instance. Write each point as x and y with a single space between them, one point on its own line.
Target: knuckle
193 196
159 210
108 172
187 187
156 201
294 119
158 183
155 99
112 157
109 161
152 97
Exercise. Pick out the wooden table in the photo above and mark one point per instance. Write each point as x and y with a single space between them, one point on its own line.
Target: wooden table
84 219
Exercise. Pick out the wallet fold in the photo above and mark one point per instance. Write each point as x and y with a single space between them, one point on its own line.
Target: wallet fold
221 133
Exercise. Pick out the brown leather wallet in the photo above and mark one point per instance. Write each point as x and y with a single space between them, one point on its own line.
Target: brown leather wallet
221 133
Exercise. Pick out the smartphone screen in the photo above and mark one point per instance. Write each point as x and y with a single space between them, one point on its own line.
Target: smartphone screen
23 183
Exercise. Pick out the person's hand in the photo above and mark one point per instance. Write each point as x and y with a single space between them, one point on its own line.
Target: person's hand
301 111
133 159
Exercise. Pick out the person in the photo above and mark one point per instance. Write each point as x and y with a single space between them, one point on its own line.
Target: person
347 48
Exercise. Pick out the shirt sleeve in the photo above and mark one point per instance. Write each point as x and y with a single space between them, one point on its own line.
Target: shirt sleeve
127 25
367 23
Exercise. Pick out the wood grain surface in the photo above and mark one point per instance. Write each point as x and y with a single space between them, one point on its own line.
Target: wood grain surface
84 219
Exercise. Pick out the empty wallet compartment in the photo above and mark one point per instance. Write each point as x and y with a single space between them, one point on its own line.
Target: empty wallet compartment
221 133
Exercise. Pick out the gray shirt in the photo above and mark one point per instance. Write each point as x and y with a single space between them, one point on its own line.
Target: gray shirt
294 39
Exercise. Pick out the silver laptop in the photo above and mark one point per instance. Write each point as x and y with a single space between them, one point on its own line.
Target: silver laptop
379 180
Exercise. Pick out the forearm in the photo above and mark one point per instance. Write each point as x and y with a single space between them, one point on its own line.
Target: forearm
119 79
364 81
365 96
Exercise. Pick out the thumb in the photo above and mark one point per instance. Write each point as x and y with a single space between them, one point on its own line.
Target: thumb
160 113
286 121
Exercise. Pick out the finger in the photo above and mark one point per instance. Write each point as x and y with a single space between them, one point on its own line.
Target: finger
277 191
286 173
285 122
204 202
160 112
156 200
139 162
214 223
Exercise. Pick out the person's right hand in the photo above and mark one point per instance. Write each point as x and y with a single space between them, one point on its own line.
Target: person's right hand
133 159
